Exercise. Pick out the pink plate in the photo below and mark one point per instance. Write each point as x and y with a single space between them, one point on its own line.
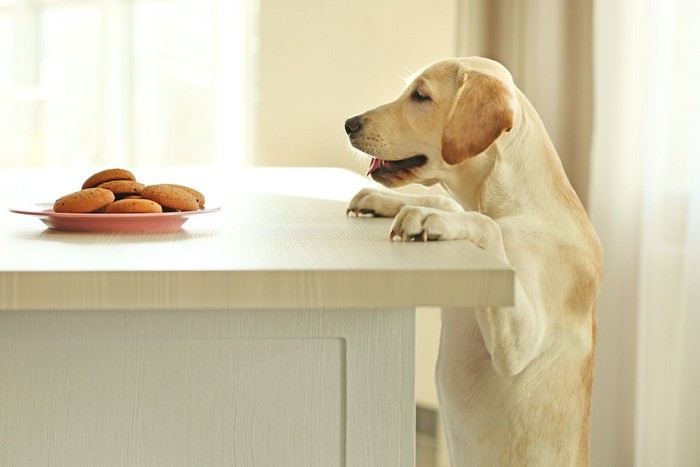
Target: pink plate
109 222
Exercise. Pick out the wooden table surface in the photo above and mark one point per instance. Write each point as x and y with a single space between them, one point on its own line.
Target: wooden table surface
282 238
276 332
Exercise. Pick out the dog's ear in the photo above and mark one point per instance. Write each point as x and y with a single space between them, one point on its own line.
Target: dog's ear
482 109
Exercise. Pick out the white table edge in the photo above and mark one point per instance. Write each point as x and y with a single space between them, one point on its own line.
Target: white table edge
91 290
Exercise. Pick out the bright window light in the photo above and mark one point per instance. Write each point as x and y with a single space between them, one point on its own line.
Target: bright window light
124 83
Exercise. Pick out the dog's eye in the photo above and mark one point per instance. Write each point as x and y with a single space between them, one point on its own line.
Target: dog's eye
419 96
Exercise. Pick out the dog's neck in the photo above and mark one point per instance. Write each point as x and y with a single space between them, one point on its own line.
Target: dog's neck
519 173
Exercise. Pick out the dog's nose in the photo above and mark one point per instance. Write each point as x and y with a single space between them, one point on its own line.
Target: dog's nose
353 124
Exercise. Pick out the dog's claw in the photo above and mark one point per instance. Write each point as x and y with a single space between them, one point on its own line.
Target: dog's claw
357 212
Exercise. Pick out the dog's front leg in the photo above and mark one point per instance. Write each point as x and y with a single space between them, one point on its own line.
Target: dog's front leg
385 203
512 335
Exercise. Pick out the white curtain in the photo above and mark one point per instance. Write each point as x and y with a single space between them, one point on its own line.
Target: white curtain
645 204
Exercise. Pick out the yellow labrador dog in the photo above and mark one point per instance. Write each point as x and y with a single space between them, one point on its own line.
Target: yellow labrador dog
514 383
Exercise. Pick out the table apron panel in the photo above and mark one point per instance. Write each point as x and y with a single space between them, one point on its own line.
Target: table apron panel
207 387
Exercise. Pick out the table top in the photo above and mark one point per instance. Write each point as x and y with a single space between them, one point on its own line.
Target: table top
281 239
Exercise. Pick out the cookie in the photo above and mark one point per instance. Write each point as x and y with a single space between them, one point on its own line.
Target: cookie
107 176
122 188
197 194
132 206
84 201
170 196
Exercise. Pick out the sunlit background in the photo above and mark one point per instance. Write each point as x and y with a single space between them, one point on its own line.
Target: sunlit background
113 82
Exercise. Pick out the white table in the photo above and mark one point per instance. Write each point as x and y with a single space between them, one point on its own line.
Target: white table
277 332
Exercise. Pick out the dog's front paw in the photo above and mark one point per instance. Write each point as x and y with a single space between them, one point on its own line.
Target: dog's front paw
423 224
377 203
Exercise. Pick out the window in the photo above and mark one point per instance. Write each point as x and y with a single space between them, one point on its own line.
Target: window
123 82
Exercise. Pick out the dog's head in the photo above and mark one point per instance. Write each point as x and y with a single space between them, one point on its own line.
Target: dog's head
450 112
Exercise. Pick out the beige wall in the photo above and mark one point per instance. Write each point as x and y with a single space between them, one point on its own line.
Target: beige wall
322 61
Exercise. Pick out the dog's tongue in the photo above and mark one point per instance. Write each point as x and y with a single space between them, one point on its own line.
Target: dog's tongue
374 165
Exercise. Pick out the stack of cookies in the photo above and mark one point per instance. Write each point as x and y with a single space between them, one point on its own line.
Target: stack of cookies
116 191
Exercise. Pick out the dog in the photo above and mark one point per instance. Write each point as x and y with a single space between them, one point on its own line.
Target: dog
514 383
